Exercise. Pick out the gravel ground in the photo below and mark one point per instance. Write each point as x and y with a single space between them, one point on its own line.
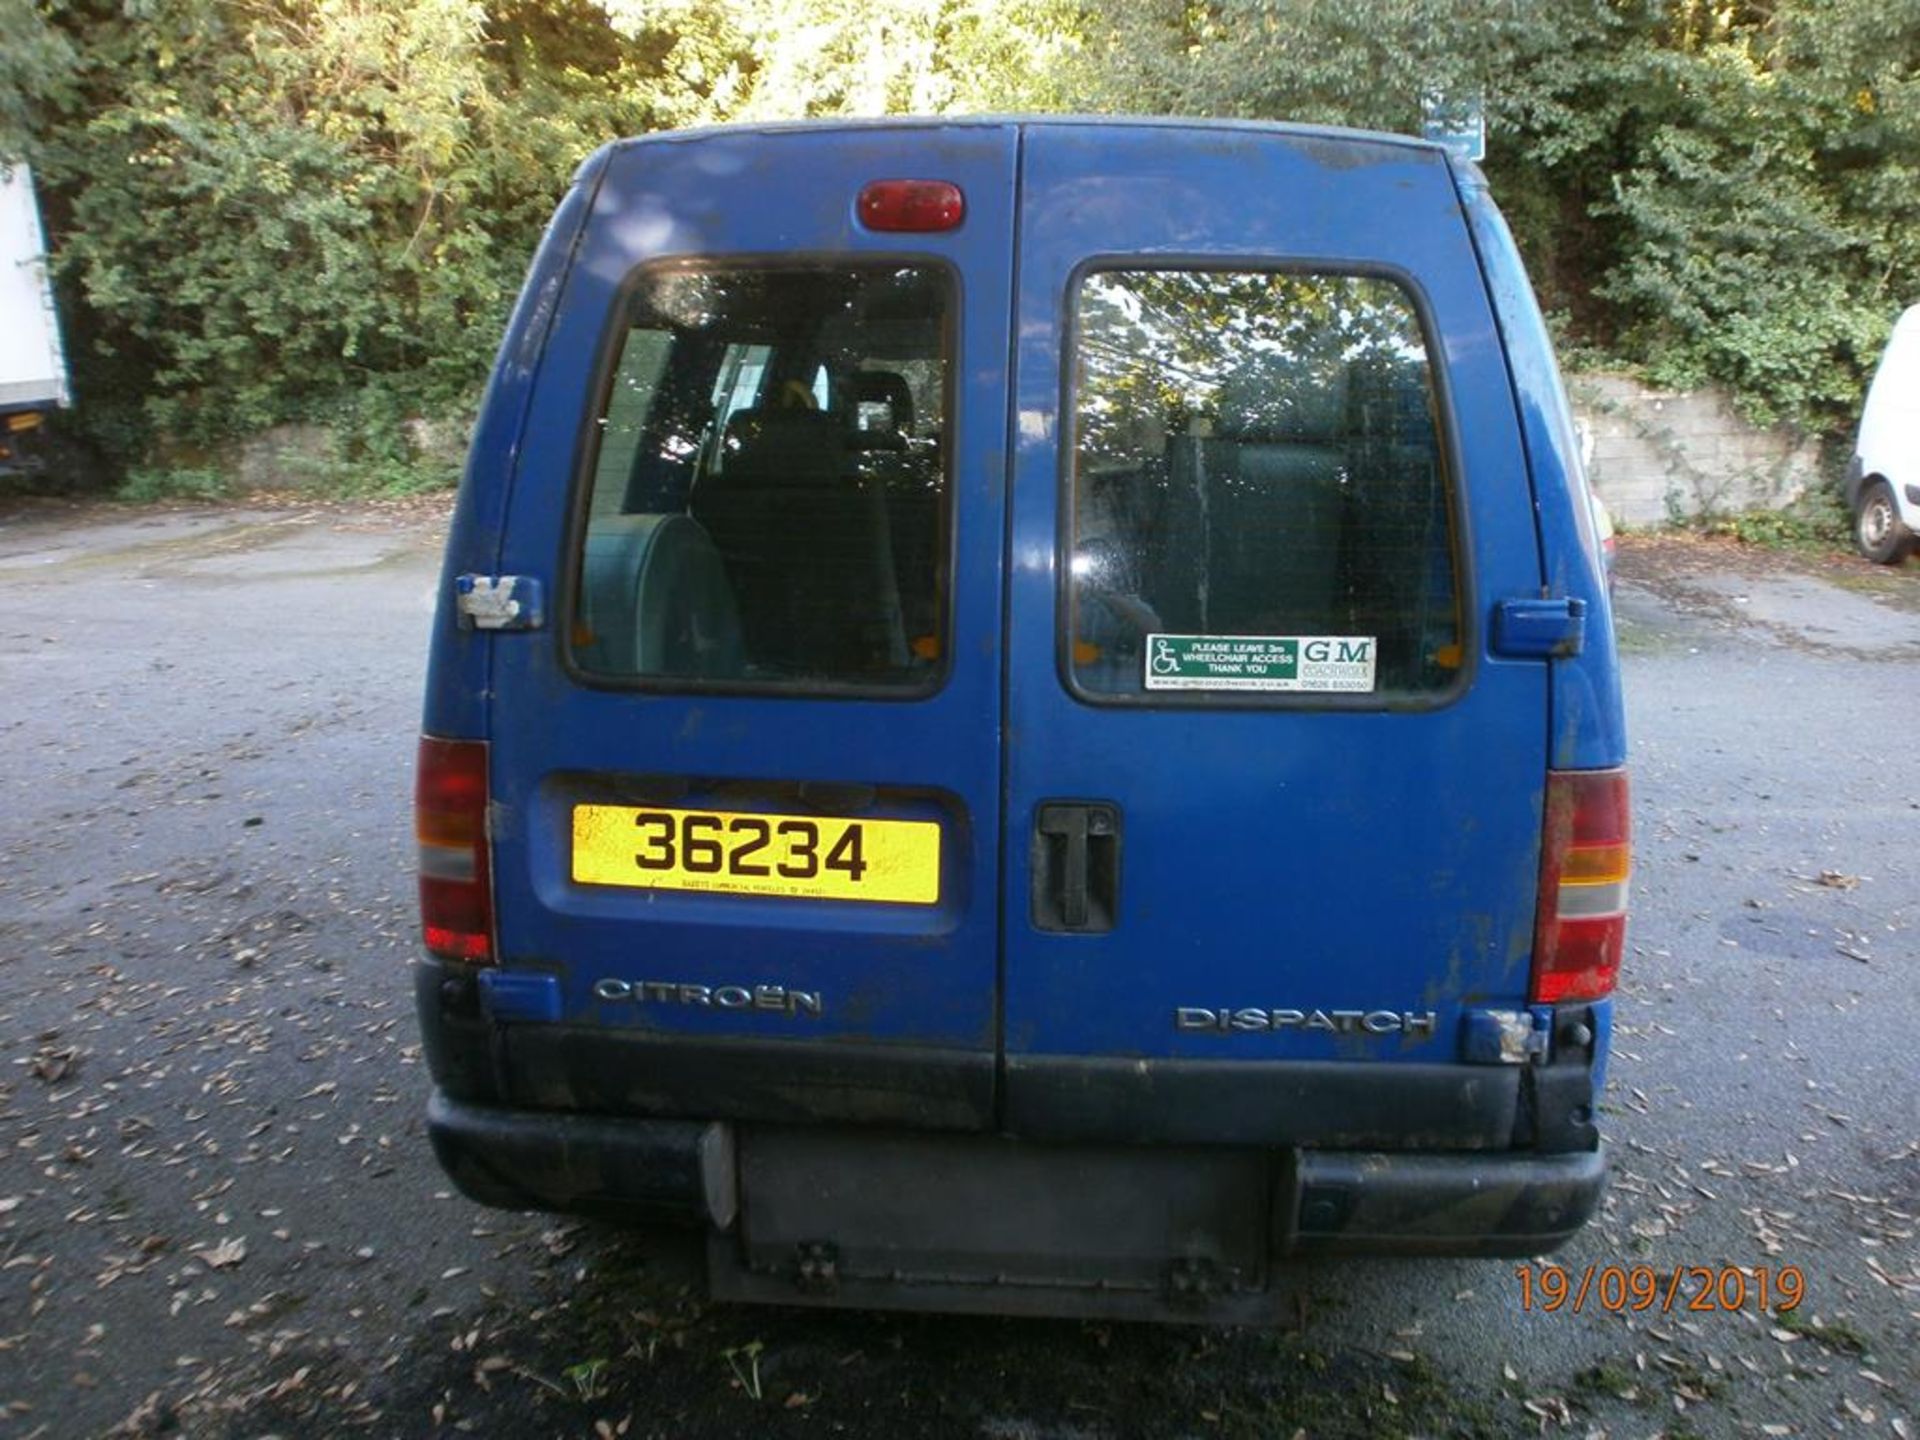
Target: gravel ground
218 1215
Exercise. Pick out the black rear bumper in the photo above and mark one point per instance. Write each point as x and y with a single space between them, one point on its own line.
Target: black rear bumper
617 1169
894 1177
1308 1202
1347 1105
1390 1203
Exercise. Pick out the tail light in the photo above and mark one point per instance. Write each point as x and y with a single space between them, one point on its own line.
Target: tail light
450 821
1585 861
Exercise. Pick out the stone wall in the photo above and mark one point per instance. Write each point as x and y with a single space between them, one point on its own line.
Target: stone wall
1659 456
1656 455
306 457
285 457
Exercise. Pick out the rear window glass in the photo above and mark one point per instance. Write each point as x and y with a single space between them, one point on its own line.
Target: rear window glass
1260 495
769 482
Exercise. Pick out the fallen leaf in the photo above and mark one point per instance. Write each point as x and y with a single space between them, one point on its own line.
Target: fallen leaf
151 1416
53 1066
1549 1407
226 1254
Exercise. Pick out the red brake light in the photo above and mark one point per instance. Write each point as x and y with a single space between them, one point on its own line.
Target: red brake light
921 206
450 822
1585 862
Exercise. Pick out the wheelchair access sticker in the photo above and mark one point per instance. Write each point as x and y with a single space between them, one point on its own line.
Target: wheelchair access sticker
1327 663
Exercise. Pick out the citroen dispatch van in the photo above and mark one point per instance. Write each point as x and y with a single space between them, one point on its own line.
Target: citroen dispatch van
1024 717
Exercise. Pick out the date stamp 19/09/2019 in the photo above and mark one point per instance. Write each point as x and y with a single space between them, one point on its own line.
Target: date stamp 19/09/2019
1664 1290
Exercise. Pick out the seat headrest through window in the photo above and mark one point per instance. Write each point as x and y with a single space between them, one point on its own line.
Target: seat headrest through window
791 445
884 387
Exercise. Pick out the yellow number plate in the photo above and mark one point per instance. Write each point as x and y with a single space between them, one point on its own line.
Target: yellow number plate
812 856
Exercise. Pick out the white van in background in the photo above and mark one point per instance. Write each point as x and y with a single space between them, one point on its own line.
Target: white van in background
1883 483
33 367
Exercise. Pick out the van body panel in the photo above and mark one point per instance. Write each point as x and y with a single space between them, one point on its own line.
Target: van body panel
1589 713
677 963
459 660
1293 857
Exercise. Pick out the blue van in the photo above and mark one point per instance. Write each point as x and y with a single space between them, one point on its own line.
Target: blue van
1024 718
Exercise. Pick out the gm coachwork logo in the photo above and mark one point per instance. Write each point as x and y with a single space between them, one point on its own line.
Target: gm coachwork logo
1337 1022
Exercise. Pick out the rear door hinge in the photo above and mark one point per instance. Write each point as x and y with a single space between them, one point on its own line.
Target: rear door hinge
499 602
1539 629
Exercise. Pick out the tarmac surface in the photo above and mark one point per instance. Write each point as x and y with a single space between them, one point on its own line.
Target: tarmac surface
219 1216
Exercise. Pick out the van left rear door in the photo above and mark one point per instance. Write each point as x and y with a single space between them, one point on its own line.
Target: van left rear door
746 780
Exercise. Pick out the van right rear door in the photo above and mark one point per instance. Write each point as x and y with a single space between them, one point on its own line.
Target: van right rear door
1275 791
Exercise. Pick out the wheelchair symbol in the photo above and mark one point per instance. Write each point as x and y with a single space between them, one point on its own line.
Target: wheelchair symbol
1164 661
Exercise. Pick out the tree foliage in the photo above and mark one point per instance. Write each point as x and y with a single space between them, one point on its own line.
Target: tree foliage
275 209
269 210
1706 189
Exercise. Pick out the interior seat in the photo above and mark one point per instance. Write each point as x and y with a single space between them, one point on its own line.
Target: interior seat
656 600
808 546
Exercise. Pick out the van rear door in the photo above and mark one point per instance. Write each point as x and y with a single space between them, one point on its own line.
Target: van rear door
746 781
1276 794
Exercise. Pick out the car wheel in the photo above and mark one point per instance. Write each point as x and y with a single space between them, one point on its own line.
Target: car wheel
1877 528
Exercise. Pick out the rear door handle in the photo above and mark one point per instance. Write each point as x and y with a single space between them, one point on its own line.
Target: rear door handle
1076 866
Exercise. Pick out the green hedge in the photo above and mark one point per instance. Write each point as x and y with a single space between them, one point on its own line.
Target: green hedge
285 210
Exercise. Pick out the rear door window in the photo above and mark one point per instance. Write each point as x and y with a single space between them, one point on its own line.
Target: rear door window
769 492
1261 503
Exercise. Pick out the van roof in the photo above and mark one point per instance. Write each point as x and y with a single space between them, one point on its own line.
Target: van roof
943 122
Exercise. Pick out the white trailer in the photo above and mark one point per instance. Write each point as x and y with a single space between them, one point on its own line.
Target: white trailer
33 367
